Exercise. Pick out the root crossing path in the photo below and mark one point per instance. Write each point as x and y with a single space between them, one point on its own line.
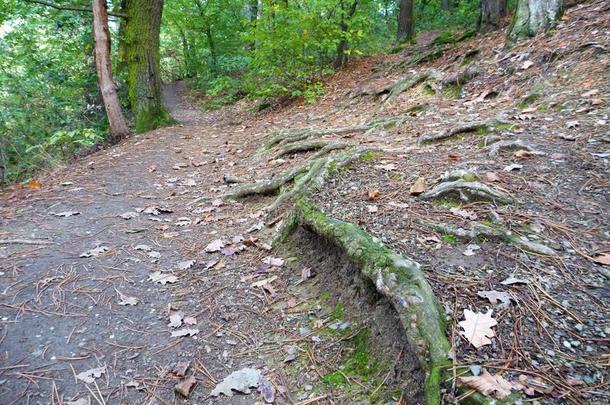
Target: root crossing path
126 274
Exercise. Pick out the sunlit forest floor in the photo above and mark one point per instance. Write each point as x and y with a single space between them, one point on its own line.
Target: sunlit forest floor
127 272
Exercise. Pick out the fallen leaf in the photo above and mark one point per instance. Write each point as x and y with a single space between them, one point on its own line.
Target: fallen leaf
81 401
527 64
185 265
267 390
145 248
94 252
470 250
529 109
305 273
488 384
181 368
240 381
590 93
126 300
214 246
418 187
264 282
572 124
185 332
522 154
34 184
184 388
372 209
513 167
66 214
477 327
491 176
190 320
494 296
175 319
602 258
513 280
532 385
386 168
373 194
463 213
129 215
89 376
273 261
162 278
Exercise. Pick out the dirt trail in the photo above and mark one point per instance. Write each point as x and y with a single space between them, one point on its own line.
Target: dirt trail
62 313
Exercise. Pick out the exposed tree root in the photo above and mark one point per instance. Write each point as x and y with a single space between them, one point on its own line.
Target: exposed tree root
306 146
397 278
317 173
315 168
284 137
409 82
474 126
429 56
462 77
498 147
478 230
467 191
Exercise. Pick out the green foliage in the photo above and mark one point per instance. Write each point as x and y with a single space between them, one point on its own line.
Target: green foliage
50 100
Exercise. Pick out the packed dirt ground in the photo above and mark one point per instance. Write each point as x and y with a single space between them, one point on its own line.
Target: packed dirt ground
130 277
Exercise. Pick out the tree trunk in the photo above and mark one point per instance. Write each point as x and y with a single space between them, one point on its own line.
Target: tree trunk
342 46
503 8
445 5
534 16
406 28
489 17
142 55
118 124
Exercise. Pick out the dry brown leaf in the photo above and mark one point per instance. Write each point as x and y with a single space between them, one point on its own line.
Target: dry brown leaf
418 187
373 194
527 64
34 184
491 176
602 258
521 154
488 384
477 327
184 388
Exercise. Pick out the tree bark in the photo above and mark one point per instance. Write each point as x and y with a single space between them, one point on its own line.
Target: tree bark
489 17
342 46
445 5
142 56
406 27
534 16
118 124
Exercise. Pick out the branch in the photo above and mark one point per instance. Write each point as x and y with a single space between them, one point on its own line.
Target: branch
72 8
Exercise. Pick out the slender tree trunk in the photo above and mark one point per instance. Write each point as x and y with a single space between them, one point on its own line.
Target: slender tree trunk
489 17
406 27
534 16
445 5
343 44
142 55
118 124
503 8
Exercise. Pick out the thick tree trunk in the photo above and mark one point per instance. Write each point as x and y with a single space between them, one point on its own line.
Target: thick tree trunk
534 16
118 124
142 55
406 28
503 8
489 17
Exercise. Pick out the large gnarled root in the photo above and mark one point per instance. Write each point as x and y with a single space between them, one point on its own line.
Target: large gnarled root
498 147
478 230
409 82
467 188
400 280
484 125
307 146
285 137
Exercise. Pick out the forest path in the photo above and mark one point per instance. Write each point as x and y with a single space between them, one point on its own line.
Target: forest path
131 224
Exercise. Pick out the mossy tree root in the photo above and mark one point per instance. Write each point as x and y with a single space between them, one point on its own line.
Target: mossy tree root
498 147
316 174
478 229
400 280
407 83
268 186
467 191
285 137
306 146
484 125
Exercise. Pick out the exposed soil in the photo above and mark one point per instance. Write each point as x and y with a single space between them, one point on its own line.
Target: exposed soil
61 313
